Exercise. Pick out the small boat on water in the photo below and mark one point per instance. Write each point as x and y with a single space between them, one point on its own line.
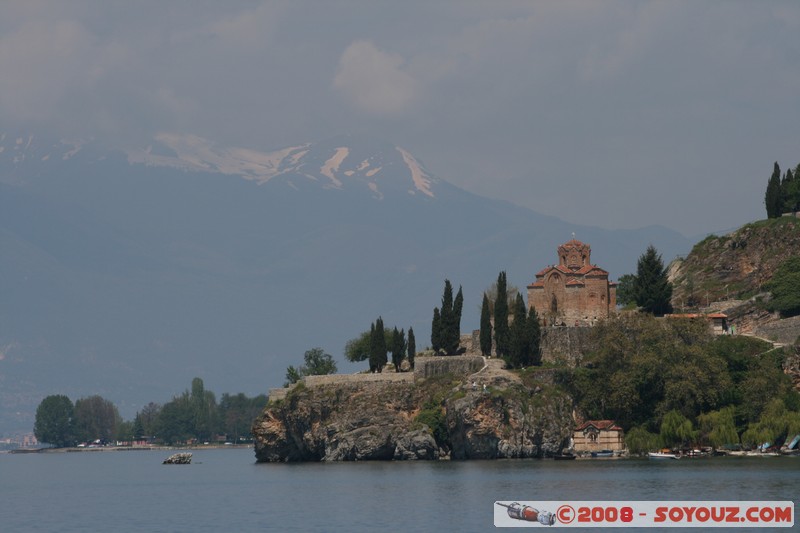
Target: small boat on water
564 456
662 455
603 453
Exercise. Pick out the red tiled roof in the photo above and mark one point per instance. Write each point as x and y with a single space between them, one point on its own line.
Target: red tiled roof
573 282
539 283
596 270
544 271
608 425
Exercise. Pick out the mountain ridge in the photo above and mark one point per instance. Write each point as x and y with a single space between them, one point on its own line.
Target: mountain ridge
127 280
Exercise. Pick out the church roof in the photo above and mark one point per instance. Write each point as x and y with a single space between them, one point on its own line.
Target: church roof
573 242
544 271
596 270
575 283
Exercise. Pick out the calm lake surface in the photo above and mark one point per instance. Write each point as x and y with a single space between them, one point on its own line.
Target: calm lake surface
225 490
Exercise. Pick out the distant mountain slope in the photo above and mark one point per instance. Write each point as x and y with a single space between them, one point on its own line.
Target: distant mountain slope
126 274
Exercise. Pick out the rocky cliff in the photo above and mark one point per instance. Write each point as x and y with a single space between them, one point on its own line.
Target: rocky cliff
491 414
728 273
735 265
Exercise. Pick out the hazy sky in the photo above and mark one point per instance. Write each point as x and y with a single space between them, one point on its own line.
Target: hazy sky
608 113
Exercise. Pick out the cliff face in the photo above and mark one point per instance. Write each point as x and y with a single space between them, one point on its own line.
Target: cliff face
433 419
514 422
734 265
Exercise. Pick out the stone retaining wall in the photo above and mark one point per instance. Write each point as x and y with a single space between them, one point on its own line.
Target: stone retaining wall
459 365
425 367
784 331
314 381
565 344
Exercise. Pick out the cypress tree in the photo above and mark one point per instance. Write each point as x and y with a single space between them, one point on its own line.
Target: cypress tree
454 336
446 316
501 316
412 347
773 198
373 349
436 330
381 344
398 348
534 334
652 288
518 336
486 327
789 192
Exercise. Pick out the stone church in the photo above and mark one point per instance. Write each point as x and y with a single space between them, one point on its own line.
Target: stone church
574 292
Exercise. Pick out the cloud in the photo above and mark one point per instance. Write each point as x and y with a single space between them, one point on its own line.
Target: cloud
375 81
40 61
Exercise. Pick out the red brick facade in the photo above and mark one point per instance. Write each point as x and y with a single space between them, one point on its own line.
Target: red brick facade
575 292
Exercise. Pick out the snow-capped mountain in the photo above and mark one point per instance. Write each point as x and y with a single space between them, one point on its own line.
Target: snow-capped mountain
128 273
334 164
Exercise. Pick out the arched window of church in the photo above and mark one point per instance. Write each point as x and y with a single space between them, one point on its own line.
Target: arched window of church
554 305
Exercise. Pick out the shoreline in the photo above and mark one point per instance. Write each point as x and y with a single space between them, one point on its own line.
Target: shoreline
75 449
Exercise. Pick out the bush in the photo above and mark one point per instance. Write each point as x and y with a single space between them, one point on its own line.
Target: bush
433 416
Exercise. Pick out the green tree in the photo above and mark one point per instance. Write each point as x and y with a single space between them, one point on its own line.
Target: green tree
517 336
125 431
378 355
643 367
639 440
775 422
534 338
773 198
204 410
676 430
318 363
357 349
652 288
446 317
486 327
95 418
436 330
785 288
446 323
53 423
524 337
501 317
718 428
144 424
790 193
176 420
237 412
398 348
454 329
626 294
293 375
412 347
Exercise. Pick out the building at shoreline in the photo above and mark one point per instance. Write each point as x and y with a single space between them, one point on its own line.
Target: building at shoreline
574 292
598 435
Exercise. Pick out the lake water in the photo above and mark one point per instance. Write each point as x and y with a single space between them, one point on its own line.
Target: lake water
225 490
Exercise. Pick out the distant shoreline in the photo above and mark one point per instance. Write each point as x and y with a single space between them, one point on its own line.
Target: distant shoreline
129 448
